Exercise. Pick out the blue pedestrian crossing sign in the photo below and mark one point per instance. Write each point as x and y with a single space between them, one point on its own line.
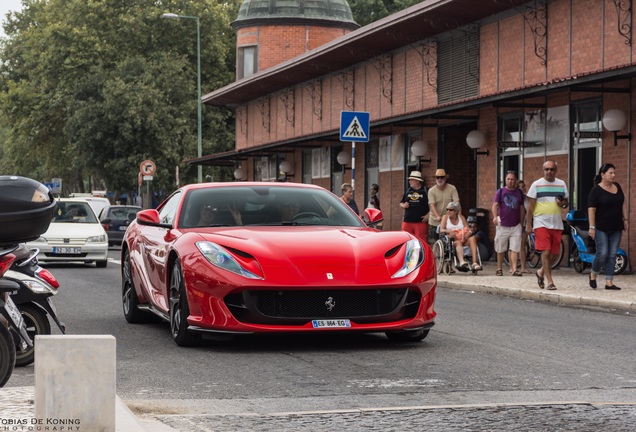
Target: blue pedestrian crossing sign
354 126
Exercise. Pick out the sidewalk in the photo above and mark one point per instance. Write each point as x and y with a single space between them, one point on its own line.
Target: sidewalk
572 287
17 404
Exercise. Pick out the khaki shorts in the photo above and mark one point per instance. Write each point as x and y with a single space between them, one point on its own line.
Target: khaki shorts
508 238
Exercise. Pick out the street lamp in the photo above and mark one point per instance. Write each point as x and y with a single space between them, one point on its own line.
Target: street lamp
199 147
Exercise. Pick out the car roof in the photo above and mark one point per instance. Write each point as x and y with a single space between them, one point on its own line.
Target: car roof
243 184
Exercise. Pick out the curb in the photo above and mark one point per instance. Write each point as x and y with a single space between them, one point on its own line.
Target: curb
543 296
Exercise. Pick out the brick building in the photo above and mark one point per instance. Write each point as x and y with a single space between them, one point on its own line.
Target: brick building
534 78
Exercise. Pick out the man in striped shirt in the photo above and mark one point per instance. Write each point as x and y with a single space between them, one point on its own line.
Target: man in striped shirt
546 198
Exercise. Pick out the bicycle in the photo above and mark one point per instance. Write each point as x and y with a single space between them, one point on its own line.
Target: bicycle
533 256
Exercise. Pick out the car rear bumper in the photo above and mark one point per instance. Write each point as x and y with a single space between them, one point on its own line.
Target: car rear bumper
89 253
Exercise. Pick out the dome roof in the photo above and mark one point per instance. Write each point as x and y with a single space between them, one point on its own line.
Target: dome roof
335 12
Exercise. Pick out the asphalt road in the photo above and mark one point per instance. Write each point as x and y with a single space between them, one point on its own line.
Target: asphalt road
485 351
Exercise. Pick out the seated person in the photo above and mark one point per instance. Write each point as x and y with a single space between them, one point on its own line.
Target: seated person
455 226
288 210
483 242
209 215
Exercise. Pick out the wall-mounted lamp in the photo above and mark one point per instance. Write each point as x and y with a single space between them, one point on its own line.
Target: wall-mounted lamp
615 120
419 150
476 140
343 159
286 169
238 174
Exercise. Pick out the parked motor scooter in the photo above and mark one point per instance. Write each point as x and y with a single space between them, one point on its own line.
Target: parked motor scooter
583 249
37 286
26 209
12 329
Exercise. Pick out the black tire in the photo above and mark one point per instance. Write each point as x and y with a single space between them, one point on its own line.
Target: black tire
7 355
621 264
438 254
37 323
101 264
579 266
533 258
407 336
130 302
179 310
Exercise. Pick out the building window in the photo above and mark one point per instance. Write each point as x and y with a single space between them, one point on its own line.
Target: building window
458 64
247 61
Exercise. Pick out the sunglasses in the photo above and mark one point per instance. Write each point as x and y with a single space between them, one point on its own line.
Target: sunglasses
209 208
440 177
549 169
450 209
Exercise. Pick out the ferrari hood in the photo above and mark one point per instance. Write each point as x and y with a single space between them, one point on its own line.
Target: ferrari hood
310 253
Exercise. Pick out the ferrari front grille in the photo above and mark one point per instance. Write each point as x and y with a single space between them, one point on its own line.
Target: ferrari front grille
296 306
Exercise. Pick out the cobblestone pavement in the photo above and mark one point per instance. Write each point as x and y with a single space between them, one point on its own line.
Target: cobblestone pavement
567 417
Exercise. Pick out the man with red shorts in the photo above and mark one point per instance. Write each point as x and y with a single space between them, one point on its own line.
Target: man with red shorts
546 198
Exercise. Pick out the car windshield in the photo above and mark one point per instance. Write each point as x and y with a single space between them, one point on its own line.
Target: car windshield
122 213
73 212
264 205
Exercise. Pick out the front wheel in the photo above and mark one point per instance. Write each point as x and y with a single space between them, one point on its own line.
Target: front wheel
579 265
7 355
37 323
438 253
621 264
533 258
179 310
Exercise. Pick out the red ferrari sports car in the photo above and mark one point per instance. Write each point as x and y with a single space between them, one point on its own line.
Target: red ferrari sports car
239 258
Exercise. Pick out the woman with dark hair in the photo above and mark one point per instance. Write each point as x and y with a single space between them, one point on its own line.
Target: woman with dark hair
374 201
607 221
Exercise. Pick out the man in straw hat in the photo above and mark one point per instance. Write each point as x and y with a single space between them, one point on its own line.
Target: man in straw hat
439 196
415 205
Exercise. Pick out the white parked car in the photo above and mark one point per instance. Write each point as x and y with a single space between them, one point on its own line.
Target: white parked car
74 235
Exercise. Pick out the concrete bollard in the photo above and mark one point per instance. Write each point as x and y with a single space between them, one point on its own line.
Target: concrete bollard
75 382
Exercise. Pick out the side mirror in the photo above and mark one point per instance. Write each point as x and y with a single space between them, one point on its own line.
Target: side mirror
373 217
150 217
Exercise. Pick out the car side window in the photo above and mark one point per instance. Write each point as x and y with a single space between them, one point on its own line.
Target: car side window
169 210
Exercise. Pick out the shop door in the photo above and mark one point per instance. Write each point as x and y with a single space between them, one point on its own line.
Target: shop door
459 162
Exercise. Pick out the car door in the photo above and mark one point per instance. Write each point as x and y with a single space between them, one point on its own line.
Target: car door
155 245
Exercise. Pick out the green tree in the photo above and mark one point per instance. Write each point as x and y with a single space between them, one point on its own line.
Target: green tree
89 89
367 11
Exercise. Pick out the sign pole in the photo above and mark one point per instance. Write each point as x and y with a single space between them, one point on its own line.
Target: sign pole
353 166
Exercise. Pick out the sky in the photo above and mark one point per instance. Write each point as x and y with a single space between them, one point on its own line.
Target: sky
6 6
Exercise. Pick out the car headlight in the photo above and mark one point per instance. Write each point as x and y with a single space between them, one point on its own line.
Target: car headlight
219 257
413 258
97 239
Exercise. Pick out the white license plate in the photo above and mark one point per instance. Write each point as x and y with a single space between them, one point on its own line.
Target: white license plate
335 323
14 312
122 228
67 250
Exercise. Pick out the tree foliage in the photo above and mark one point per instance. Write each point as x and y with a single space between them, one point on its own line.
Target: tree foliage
89 89
367 11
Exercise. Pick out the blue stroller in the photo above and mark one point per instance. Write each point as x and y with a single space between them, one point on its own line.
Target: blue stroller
583 248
